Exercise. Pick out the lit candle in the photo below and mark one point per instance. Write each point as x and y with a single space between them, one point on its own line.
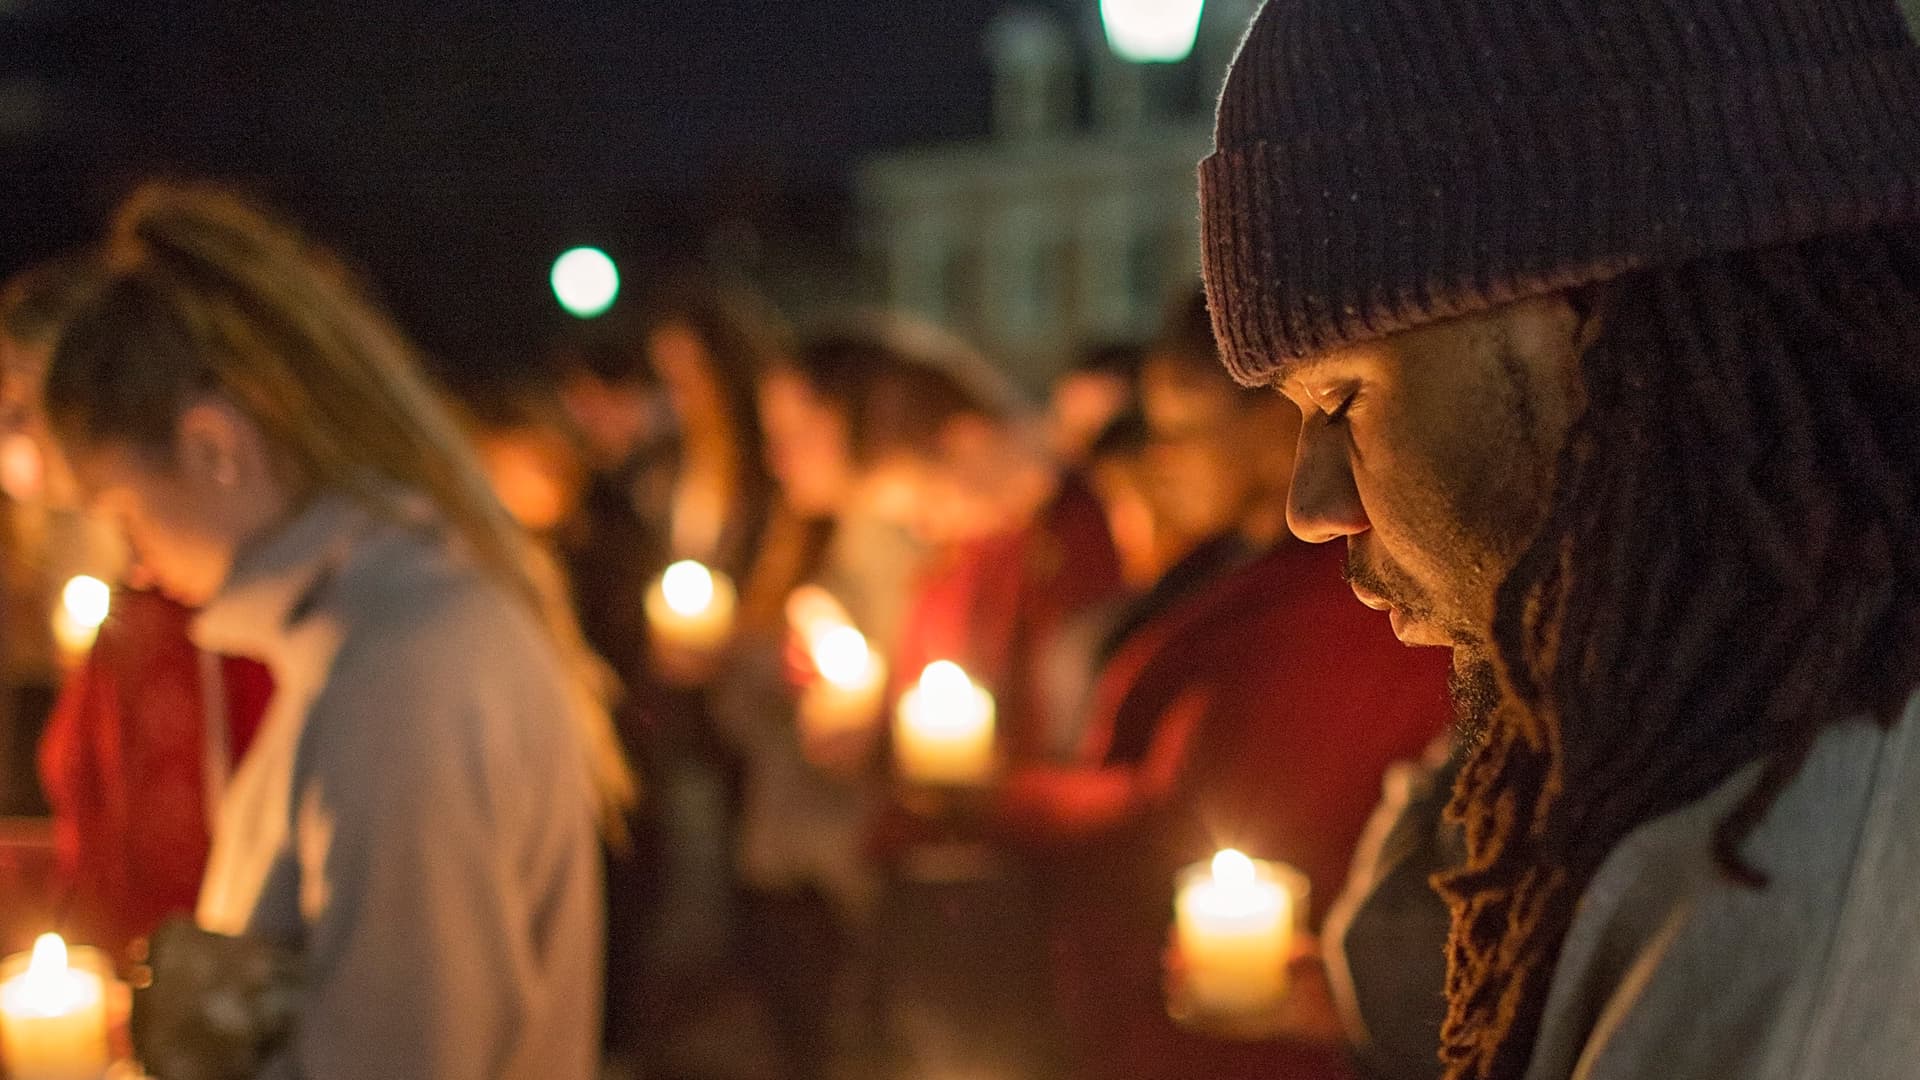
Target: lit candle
691 607
1234 920
83 606
53 1017
853 679
943 730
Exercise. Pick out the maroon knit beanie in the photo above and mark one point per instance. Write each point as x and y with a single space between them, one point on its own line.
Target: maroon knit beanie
1380 164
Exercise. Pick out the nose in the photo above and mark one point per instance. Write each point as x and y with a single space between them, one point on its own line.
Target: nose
1324 503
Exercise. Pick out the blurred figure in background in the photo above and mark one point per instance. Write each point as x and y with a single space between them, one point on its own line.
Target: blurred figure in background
1245 706
1215 468
668 412
1019 549
532 456
146 728
1019 545
1088 397
1117 470
46 541
416 817
836 418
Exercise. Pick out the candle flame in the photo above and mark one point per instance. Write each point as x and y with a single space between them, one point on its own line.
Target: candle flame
87 600
687 587
1230 867
49 957
842 657
944 680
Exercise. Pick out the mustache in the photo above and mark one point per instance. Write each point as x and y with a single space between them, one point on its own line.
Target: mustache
1357 572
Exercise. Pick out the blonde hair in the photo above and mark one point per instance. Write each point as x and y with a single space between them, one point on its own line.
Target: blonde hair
206 295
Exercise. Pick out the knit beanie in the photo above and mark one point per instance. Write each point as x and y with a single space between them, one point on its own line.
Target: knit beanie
1382 164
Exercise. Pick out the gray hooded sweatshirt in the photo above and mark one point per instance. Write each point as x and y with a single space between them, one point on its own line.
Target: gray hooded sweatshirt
1672 972
414 815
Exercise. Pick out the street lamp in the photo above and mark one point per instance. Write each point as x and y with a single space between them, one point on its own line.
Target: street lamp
1152 31
585 281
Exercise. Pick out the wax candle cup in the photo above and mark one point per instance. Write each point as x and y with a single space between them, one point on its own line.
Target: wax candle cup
84 605
944 729
1235 919
691 607
53 1023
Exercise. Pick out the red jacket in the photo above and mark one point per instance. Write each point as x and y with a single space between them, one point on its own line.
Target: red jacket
122 763
1258 714
996 605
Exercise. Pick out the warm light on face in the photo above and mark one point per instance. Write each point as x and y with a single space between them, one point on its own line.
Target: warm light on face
688 587
1230 867
1152 31
842 657
585 281
87 601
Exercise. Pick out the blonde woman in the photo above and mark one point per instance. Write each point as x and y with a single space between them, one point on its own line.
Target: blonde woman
417 816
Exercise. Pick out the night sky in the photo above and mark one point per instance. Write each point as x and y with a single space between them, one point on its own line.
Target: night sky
450 149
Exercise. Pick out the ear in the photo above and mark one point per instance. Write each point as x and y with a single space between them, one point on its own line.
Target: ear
215 445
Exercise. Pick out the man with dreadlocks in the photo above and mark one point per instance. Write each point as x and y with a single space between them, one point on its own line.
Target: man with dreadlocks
1605 322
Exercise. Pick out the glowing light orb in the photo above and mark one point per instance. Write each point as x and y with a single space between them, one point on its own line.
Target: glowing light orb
585 281
1152 31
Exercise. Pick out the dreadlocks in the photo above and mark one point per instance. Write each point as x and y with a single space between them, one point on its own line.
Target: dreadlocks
1730 564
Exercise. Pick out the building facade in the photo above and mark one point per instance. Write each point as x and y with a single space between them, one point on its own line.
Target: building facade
1076 221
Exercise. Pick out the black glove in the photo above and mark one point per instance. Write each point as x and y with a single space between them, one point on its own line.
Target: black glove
211 1007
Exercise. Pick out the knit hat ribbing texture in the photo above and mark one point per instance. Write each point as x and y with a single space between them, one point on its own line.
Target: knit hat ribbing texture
1382 164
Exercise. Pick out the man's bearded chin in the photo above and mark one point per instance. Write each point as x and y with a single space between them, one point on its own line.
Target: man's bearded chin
1475 686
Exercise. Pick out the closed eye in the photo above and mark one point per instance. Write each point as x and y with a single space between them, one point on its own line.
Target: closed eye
1339 412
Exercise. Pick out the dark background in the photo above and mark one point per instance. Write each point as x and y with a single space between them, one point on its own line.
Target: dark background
451 149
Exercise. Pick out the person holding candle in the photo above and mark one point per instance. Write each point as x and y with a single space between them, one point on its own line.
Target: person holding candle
664 400
1247 705
1020 547
417 816
1017 548
145 726
1603 335
806 697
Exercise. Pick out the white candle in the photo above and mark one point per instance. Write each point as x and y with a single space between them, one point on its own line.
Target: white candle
943 730
1234 924
853 679
53 1016
77 617
691 607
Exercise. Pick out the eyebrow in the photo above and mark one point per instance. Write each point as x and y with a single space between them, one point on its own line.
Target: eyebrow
1298 371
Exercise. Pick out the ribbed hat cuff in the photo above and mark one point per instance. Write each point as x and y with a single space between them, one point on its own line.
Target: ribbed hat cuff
1321 240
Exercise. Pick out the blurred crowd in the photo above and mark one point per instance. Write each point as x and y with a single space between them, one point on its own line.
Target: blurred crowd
1171 672
709 697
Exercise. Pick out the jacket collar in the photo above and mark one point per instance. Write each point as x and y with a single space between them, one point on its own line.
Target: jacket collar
276 582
